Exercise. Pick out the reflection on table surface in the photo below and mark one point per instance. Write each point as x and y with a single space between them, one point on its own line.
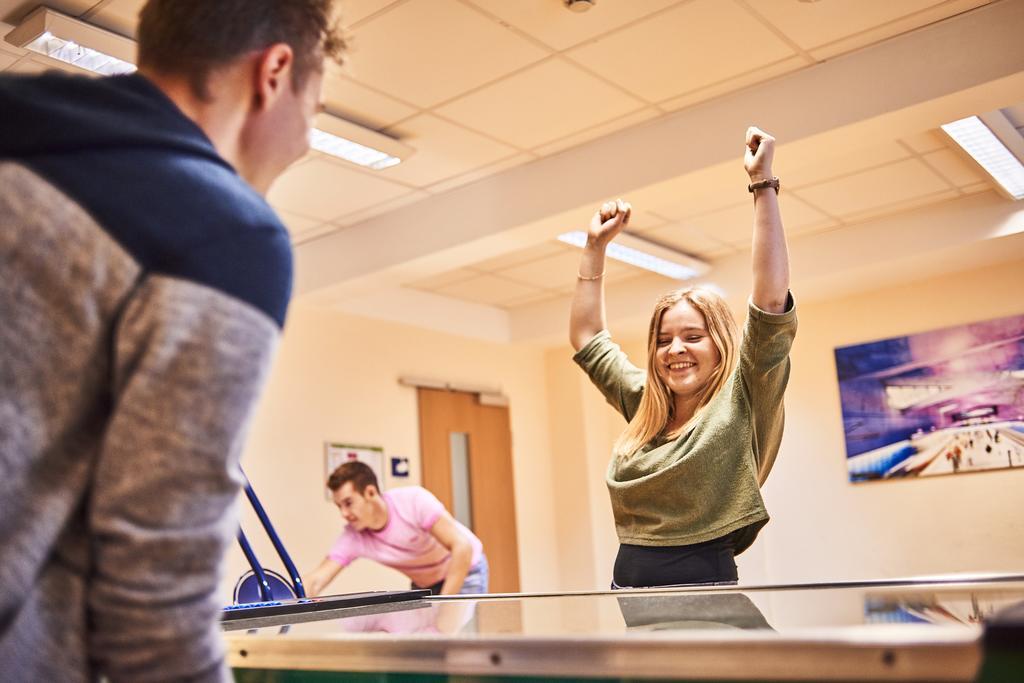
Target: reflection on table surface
792 610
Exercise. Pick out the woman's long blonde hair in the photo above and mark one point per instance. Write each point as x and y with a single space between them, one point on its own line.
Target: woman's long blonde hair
656 404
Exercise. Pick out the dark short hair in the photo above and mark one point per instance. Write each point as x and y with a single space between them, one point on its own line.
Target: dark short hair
359 473
193 37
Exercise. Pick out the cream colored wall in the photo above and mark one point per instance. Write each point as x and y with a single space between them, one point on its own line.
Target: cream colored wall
823 527
336 378
826 528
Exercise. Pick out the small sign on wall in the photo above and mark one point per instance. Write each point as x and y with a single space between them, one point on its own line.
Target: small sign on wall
337 454
399 467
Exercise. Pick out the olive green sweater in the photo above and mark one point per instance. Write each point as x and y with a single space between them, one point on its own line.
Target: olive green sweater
706 483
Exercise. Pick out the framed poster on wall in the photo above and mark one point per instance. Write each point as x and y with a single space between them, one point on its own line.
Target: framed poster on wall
946 401
337 454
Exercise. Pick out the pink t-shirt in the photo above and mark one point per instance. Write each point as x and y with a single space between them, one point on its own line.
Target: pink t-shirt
405 543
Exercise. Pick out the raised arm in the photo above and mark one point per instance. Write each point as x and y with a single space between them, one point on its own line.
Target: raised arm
587 314
770 256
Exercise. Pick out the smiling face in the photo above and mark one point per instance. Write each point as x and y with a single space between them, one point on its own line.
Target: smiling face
685 356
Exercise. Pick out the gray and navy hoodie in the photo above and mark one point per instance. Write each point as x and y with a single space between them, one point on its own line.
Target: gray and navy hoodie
143 285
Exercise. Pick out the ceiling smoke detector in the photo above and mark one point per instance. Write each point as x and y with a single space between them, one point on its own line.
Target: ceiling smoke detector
579 5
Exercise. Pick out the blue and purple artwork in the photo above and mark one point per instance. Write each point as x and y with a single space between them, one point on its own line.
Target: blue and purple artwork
947 401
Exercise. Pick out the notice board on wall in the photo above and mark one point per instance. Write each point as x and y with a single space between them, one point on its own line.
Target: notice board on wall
337 454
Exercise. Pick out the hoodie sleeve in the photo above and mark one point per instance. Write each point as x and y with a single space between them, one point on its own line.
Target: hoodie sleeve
188 363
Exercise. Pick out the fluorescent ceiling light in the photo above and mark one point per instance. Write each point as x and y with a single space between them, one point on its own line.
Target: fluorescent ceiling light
991 154
82 45
74 42
356 144
643 253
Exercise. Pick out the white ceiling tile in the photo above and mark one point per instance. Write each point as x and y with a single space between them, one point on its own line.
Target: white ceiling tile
554 225
354 11
801 218
715 254
690 46
443 150
867 22
954 167
549 272
976 187
695 193
429 51
37 65
619 273
535 298
384 207
811 229
546 102
881 187
927 141
325 191
521 256
314 233
734 225
798 215
555 271
811 24
487 289
686 239
641 219
119 16
627 273
818 166
295 223
874 212
726 225
358 103
598 131
554 25
435 282
757 75
477 174
13 11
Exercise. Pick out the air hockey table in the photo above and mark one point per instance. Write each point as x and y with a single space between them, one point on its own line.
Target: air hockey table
949 628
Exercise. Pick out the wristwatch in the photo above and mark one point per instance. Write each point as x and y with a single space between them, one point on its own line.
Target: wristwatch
772 182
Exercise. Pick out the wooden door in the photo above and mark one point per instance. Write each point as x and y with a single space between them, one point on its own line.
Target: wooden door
456 417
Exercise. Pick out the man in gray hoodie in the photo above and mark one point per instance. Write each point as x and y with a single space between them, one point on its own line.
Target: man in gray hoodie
143 285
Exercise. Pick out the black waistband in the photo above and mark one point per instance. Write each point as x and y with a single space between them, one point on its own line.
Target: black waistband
641 566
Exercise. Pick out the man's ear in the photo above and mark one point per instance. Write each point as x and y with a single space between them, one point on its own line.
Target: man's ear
370 491
273 74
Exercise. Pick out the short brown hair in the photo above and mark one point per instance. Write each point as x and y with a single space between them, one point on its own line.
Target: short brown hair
194 37
359 473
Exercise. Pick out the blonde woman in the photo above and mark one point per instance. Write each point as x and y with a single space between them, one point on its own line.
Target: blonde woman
705 418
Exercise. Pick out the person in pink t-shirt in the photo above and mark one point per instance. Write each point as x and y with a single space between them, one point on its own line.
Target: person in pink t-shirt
407 529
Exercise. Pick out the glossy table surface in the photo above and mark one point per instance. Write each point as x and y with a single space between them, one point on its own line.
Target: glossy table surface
914 629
